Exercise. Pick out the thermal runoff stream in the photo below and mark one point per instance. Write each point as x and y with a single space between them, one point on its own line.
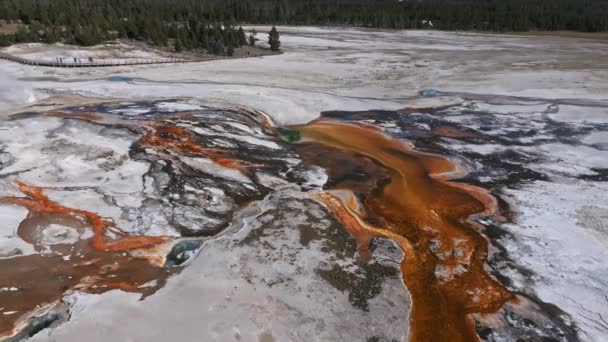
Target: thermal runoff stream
418 207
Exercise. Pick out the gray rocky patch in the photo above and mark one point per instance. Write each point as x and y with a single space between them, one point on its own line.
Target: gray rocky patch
258 280
594 217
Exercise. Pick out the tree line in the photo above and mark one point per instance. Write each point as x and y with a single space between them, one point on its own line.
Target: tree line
212 24
90 22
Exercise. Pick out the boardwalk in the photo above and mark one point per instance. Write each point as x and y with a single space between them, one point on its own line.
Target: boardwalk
85 63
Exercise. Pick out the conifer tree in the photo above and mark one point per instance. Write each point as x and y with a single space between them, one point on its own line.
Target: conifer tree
178 45
273 39
242 37
252 38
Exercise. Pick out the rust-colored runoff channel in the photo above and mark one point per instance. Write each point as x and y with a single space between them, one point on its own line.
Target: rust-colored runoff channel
426 215
179 140
92 265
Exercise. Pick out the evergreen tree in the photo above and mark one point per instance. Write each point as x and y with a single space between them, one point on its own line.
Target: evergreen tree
273 39
22 35
204 37
252 38
242 37
178 45
6 40
52 36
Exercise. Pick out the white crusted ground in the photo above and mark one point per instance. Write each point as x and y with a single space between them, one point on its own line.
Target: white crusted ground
10 243
561 234
118 50
80 165
346 69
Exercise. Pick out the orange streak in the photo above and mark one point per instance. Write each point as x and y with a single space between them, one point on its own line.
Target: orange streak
180 141
427 216
85 116
40 203
454 132
343 204
94 285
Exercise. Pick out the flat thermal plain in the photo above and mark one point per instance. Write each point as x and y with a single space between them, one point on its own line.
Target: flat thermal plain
526 116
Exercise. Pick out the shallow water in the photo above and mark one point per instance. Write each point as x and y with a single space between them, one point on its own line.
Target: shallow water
445 255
